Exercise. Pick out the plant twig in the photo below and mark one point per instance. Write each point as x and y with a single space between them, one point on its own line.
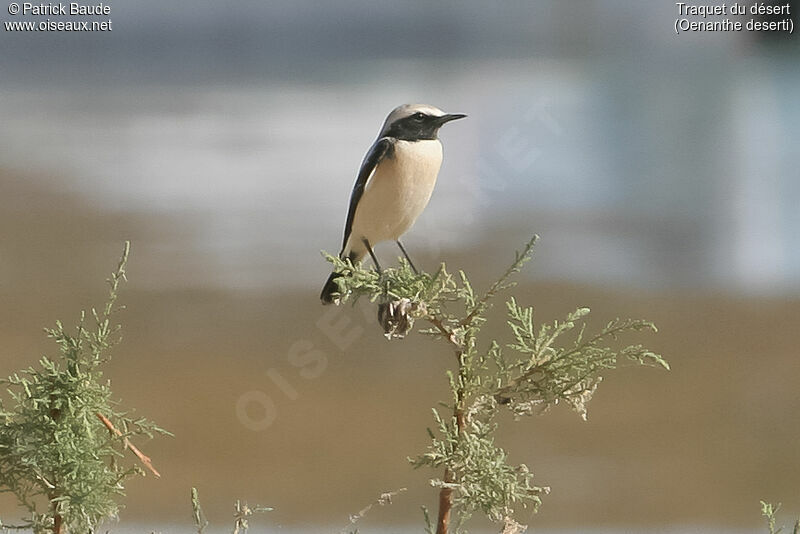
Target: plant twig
242 512
500 284
3 526
383 500
58 520
139 454
198 515
445 503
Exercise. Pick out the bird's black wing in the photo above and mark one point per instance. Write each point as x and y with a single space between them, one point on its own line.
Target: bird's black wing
383 148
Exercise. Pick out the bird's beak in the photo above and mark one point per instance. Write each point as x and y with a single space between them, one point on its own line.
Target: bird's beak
449 117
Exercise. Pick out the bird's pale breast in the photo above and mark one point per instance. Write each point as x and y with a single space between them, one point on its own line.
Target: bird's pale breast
398 191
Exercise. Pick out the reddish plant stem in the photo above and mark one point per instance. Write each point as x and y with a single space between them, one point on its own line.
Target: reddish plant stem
139 454
446 494
445 505
57 521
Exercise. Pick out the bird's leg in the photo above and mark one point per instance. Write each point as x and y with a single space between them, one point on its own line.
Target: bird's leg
411 263
372 254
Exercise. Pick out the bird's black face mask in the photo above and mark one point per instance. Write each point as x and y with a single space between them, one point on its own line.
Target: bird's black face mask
419 126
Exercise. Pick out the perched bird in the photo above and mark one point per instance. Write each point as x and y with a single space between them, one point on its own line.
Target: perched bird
394 183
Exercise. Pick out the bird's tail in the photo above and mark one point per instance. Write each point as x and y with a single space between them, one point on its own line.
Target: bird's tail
330 289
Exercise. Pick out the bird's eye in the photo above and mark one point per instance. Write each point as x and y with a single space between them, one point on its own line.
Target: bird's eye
418 116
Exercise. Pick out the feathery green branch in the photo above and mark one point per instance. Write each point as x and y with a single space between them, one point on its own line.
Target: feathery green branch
539 369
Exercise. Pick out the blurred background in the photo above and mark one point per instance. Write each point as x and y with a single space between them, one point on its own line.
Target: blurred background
222 139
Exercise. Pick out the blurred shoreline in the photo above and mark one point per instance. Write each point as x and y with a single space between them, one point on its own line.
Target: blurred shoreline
597 164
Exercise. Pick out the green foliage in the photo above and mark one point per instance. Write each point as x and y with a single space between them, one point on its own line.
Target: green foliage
57 457
545 364
542 373
769 511
485 481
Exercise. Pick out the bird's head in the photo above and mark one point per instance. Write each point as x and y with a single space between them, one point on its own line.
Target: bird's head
413 122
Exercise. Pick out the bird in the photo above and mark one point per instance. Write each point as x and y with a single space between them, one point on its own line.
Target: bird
394 184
